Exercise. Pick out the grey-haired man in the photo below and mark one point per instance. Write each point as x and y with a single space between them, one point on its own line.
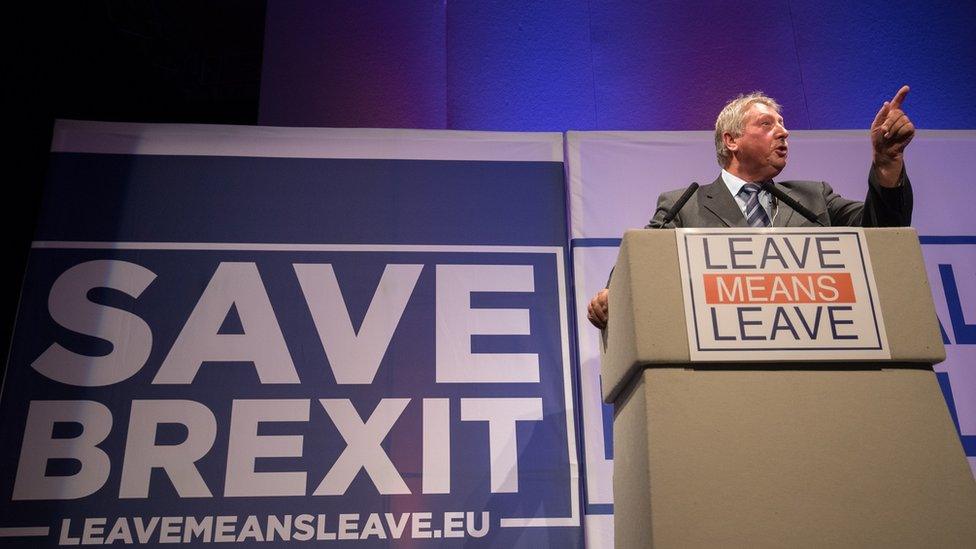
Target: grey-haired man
751 146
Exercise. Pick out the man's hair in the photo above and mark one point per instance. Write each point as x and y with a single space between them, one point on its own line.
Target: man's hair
732 120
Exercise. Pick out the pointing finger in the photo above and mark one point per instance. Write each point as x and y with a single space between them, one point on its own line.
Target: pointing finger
899 97
882 114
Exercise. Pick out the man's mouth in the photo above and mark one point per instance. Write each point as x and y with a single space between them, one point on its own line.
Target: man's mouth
782 150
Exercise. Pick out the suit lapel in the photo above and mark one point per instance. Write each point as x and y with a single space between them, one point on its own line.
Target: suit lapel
717 199
789 216
784 213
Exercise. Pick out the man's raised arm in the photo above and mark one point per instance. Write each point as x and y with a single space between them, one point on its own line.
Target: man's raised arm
891 131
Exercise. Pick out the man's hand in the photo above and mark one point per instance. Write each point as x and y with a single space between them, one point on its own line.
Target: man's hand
599 310
891 131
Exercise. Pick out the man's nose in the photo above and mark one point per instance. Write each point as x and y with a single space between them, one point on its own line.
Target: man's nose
782 131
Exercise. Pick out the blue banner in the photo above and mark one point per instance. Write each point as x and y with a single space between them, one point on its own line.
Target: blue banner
369 351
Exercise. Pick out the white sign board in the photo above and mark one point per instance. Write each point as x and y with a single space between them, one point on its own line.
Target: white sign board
780 294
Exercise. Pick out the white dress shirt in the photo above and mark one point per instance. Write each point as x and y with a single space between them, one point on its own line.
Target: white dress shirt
735 184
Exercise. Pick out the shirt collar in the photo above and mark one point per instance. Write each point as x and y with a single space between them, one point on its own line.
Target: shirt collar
733 182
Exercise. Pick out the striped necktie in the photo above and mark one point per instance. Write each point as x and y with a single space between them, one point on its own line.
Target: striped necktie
755 213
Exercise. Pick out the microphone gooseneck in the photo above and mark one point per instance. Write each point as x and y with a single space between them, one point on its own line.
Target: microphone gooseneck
772 189
679 204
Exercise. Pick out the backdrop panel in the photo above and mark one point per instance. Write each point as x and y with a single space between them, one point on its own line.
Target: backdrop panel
256 334
615 178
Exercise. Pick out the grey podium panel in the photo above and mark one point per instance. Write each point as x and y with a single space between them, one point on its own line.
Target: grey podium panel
793 458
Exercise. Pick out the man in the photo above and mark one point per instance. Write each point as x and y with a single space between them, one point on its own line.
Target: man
751 146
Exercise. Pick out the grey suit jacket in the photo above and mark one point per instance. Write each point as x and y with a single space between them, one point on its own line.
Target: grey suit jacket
714 206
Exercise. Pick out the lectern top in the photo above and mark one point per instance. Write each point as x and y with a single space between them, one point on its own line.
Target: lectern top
836 297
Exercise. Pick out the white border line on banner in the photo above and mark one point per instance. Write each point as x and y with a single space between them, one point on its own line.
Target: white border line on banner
273 247
82 136
24 532
512 522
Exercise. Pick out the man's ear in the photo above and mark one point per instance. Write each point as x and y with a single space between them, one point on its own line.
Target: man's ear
731 142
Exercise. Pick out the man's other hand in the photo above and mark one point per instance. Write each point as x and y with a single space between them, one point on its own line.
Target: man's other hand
599 310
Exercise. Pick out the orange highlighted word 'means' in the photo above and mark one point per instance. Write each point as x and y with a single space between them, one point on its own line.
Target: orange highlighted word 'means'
778 288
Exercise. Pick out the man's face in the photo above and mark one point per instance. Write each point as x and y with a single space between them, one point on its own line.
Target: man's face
761 150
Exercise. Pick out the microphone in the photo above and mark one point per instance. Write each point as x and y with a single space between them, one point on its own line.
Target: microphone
679 204
772 189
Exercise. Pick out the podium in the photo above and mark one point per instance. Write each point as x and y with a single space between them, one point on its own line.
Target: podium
844 451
